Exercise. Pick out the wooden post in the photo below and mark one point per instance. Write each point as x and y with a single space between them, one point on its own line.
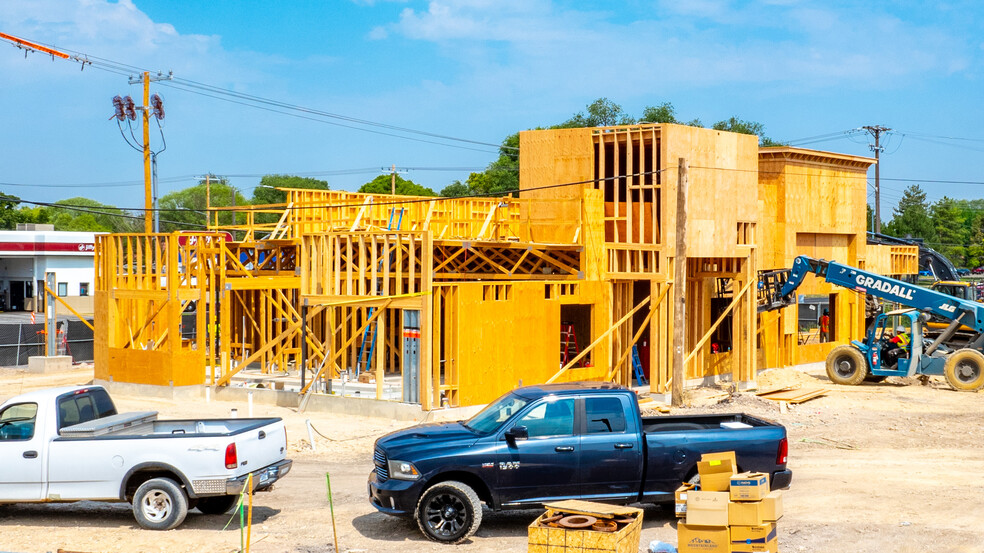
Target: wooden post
679 286
304 344
380 352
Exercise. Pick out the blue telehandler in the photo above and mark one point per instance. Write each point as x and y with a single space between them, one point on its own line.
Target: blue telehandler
876 357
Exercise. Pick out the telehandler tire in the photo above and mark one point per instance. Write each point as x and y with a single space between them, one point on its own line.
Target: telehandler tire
846 366
964 370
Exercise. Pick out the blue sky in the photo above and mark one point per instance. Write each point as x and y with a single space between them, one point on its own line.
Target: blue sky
478 70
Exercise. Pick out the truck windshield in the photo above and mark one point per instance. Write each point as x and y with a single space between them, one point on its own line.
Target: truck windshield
491 418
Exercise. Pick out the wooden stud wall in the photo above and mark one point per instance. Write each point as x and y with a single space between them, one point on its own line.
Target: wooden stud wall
895 261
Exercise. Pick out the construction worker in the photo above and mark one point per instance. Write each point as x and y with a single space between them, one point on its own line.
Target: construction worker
825 326
899 347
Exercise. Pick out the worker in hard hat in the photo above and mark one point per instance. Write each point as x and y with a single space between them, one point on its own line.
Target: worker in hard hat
900 347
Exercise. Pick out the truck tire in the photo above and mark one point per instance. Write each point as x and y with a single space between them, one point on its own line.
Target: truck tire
964 370
847 366
160 504
217 505
449 512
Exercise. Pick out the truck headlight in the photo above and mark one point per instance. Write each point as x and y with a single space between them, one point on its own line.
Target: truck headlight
403 470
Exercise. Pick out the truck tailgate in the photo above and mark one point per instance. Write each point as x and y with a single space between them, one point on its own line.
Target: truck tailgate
260 447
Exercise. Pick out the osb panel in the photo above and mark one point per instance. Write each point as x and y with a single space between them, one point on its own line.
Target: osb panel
550 158
832 247
156 367
892 260
503 342
722 187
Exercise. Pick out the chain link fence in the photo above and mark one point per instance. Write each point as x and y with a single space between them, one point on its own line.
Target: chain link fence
18 341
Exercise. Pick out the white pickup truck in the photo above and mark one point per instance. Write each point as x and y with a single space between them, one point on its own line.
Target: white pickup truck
69 444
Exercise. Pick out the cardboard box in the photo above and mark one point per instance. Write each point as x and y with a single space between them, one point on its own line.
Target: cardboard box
754 539
749 486
703 539
680 507
715 471
772 506
745 513
707 508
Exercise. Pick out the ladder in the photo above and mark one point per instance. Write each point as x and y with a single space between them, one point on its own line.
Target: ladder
369 334
637 366
568 343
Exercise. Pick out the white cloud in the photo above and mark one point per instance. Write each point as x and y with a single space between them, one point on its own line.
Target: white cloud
540 44
113 30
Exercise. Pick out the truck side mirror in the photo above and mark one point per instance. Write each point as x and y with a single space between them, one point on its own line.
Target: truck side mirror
517 433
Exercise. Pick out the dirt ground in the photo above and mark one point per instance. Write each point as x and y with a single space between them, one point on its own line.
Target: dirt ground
890 467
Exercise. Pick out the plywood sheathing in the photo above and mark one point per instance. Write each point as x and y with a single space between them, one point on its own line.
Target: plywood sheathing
812 203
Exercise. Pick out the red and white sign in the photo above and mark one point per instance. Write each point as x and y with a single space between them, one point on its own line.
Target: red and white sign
47 247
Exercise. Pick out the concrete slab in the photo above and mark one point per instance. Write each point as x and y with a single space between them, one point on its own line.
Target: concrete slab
44 364
165 392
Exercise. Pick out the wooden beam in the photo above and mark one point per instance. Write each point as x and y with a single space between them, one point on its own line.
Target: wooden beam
679 287
710 331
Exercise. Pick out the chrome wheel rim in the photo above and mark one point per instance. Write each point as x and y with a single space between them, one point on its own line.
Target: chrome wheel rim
156 506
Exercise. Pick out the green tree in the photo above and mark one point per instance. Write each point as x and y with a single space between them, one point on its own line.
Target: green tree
975 250
869 217
662 113
9 216
601 113
90 216
952 235
267 192
501 177
185 209
736 124
456 189
404 187
910 217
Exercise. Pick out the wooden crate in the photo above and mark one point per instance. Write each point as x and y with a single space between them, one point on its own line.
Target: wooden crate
544 539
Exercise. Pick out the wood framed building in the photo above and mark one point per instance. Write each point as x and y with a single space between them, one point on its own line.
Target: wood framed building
459 300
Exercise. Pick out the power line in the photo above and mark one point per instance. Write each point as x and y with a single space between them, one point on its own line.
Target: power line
89 209
941 137
251 100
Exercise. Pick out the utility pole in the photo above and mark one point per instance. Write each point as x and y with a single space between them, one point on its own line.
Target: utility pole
875 131
151 223
679 287
393 180
208 200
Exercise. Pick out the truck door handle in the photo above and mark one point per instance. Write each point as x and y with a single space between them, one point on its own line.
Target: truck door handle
563 448
623 446
30 454
262 434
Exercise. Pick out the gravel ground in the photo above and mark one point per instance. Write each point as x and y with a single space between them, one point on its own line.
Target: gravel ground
896 466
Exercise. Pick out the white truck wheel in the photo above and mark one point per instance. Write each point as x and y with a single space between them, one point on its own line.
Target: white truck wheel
160 504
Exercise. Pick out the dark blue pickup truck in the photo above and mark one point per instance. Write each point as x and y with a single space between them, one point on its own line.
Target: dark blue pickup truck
583 440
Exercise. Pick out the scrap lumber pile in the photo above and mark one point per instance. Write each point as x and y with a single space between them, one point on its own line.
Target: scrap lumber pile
792 394
576 526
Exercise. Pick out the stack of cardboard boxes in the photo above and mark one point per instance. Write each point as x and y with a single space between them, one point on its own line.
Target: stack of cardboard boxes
732 513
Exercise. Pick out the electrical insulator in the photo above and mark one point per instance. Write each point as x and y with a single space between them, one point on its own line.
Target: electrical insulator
118 106
130 108
157 103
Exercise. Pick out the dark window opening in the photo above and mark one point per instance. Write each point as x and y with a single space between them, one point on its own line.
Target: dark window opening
575 334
